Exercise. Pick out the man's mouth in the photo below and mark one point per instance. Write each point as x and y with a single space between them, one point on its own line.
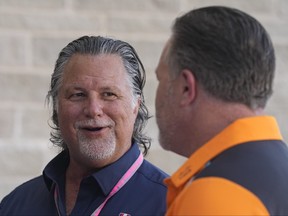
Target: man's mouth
91 126
92 129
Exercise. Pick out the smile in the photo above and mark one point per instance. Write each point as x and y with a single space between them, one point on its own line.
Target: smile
93 129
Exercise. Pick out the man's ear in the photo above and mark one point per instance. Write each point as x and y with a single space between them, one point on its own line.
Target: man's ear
137 105
188 86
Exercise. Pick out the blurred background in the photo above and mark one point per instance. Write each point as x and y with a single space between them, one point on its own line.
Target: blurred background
32 33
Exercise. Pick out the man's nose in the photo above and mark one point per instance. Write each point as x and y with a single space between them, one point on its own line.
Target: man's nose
93 106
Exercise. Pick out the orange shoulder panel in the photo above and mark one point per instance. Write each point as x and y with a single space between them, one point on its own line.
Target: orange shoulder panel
216 196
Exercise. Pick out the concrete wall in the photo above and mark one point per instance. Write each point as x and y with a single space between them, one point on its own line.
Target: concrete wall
32 32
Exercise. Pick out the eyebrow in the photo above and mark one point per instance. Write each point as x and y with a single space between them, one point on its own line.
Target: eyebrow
73 85
110 88
78 86
156 72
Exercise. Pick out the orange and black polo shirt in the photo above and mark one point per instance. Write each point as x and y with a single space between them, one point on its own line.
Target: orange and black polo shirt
241 171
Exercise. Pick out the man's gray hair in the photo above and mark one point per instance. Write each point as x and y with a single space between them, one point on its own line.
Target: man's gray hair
228 51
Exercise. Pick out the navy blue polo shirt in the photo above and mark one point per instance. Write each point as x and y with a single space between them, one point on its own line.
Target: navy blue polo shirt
143 194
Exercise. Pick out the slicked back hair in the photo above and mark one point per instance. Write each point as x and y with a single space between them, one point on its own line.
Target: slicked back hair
228 51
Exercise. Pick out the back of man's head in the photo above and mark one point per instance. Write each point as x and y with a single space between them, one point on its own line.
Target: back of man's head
228 51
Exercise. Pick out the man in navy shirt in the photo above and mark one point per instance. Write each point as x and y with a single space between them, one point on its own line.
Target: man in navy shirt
98 117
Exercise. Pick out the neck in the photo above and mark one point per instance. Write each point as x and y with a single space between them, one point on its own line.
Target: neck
75 172
210 117
74 175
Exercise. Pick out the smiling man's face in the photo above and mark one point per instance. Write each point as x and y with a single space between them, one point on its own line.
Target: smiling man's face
96 112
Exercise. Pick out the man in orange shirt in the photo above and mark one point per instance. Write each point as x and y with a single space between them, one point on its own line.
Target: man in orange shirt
215 76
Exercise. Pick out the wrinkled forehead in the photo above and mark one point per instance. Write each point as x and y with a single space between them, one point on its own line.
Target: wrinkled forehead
108 64
166 50
96 70
164 57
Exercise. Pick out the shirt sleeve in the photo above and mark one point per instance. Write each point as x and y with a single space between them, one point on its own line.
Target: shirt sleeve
216 196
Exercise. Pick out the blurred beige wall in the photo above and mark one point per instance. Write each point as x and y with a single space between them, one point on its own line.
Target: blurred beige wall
32 32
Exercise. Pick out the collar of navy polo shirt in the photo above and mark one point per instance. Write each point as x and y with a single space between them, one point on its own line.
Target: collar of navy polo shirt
107 177
55 170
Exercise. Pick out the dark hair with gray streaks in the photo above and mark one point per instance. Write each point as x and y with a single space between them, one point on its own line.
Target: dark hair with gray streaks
92 45
229 52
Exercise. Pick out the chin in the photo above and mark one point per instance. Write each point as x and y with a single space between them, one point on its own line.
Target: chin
163 144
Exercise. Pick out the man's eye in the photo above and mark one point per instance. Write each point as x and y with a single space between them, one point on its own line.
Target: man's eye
77 95
109 95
